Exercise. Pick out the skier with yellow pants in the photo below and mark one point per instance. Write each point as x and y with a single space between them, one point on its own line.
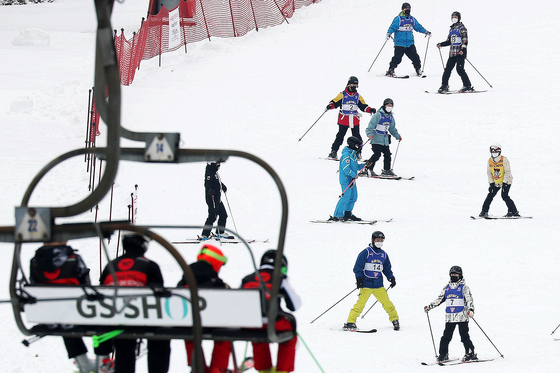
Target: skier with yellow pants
372 263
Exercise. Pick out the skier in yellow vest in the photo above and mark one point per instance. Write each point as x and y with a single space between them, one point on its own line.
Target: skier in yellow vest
499 177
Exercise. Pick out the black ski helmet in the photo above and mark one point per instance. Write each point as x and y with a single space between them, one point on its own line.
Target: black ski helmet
269 257
405 6
456 14
135 242
377 234
388 101
352 80
354 143
458 270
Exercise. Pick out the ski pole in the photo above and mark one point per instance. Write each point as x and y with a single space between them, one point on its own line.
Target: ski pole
27 342
441 57
396 152
229 208
488 338
430 325
235 366
333 305
426 54
478 72
386 40
364 315
310 353
313 124
555 329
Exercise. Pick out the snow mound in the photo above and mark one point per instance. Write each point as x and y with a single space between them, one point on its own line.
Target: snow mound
22 104
32 37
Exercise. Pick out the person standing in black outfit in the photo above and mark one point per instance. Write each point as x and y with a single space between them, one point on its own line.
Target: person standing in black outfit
213 188
133 269
458 40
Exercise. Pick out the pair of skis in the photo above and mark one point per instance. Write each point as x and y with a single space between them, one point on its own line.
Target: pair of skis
366 222
456 362
403 76
219 240
456 92
493 217
357 330
390 177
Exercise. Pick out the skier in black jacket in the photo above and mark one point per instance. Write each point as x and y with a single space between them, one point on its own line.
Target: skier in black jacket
213 188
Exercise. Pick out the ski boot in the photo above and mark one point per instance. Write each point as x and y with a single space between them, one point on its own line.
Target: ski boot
483 214
388 173
443 89
469 356
84 364
363 173
349 216
418 72
511 214
332 155
396 325
350 326
105 364
469 88
334 218
442 358
390 72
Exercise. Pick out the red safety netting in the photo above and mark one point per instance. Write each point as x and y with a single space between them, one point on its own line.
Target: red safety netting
198 20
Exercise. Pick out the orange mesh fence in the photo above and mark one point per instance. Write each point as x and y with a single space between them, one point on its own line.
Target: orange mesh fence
198 20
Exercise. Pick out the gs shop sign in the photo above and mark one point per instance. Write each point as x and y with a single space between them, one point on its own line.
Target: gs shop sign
138 306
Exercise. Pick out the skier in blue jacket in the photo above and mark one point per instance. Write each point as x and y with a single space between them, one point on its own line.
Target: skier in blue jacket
402 26
348 168
372 263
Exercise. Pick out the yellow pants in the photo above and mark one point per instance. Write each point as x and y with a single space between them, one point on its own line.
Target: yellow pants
382 297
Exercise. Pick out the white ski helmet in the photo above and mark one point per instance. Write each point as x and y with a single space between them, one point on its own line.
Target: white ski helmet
496 148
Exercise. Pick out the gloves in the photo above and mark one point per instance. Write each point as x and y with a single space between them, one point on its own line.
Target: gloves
371 110
224 188
393 282
388 36
470 313
359 282
428 34
330 106
438 45
400 138
426 309
210 192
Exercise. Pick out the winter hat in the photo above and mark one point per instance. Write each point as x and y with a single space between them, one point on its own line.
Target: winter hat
135 242
405 6
213 256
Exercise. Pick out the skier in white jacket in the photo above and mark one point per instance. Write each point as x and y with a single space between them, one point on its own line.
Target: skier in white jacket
459 307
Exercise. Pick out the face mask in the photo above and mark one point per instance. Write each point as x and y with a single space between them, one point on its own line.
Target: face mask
454 20
378 244
388 109
406 12
454 278
495 154
351 89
